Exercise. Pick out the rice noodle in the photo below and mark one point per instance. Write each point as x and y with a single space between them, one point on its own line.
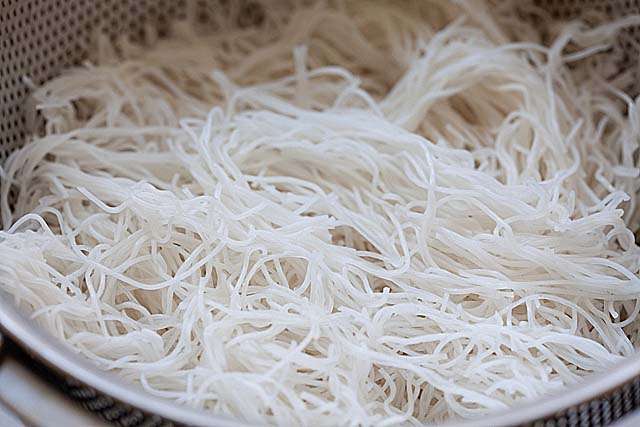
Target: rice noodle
348 215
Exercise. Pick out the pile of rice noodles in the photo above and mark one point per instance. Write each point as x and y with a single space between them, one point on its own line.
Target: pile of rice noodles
351 213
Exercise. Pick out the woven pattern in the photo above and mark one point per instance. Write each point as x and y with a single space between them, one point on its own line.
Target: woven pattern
39 38
624 54
598 412
109 409
569 9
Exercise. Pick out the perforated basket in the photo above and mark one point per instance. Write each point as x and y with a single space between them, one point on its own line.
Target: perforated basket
39 38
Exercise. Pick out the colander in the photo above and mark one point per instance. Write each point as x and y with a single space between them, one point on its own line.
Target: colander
39 38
